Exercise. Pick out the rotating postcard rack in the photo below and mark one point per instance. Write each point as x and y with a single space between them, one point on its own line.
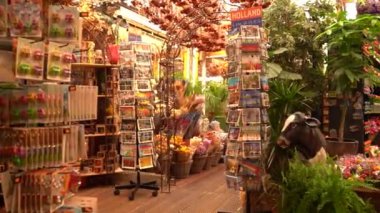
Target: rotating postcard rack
248 102
136 112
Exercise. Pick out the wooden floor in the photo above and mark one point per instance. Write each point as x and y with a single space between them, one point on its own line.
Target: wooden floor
201 193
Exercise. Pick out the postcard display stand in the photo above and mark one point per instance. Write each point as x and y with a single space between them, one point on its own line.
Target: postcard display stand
136 112
247 115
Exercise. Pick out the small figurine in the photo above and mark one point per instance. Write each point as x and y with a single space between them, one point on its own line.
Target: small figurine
38 55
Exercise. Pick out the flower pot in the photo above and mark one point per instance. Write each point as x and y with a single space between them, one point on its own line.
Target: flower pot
199 162
181 170
335 148
208 162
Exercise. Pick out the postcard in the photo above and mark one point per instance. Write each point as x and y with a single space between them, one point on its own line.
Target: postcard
126 72
232 149
128 125
250 81
233 99
145 149
250 133
128 150
251 116
126 85
145 136
251 149
264 116
128 137
250 98
233 116
126 98
127 112
233 83
251 31
145 124
146 162
264 99
233 133
128 162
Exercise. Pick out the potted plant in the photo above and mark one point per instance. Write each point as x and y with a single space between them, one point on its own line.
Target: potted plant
216 94
348 65
320 188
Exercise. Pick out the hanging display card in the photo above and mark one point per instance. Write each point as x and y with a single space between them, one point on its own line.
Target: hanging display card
26 18
250 98
30 59
252 149
146 162
59 62
127 150
63 23
145 149
3 18
250 81
128 162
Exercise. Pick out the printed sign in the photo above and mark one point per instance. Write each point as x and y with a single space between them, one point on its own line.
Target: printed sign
249 16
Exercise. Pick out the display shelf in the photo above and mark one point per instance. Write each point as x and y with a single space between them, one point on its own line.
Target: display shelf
89 174
102 134
105 96
88 65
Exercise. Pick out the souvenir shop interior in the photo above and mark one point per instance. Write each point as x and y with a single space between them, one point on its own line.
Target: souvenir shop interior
189 106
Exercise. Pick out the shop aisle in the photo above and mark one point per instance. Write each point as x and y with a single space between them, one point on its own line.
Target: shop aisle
201 193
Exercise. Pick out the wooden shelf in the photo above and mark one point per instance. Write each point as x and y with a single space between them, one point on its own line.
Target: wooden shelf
101 134
105 96
87 65
89 174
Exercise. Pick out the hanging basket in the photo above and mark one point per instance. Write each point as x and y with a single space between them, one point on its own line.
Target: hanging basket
209 160
181 170
199 162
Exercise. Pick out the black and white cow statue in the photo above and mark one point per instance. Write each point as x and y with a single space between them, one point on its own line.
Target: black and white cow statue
303 134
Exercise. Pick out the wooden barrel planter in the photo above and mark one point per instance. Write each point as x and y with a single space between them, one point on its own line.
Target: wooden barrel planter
216 159
372 195
199 162
209 160
181 170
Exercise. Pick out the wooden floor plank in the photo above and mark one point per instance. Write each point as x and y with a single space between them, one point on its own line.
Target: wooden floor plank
201 193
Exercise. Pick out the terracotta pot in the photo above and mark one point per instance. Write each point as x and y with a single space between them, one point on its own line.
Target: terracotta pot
335 148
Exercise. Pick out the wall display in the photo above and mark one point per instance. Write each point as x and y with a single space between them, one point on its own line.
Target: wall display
251 116
252 149
59 62
233 68
26 18
146 162
251 62
3 18
265 99
142 72
83 103
63 23
30 59
128 162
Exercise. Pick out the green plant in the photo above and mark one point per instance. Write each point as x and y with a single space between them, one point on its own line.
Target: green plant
320 188
295 55
195 89
216 96
287 97
347 64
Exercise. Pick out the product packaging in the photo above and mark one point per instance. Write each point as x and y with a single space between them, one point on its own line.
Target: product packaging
63 23
30 59
59 62
26 18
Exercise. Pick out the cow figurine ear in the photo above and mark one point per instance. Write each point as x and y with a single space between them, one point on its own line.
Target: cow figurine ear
312 122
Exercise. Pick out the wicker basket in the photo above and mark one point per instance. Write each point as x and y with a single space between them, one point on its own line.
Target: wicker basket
198 164
208 163
216 159
181 170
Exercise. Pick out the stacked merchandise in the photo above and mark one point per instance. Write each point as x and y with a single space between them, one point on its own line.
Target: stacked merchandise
248 102
136 108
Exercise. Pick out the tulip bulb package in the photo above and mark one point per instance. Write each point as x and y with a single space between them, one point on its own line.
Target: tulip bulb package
26 18
30 59
3 18
59 62
63 23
